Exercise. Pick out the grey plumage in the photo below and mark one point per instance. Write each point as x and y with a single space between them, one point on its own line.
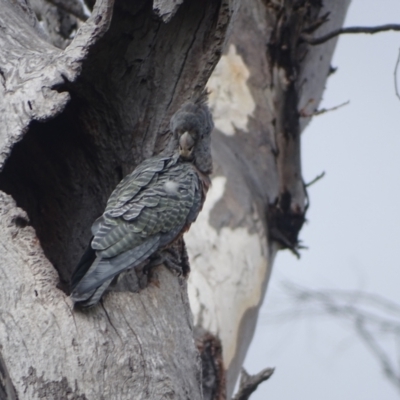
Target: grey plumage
151 207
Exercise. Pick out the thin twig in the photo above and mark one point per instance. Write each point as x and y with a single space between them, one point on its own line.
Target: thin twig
249 383
352 29
316 179
377 310
303 114
373 299
395 76
388 368
325 110
278 236
367 312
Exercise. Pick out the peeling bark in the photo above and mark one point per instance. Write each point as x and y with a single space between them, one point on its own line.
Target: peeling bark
79 110
213 370
257 201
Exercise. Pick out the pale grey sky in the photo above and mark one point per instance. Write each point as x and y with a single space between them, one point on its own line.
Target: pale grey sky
354 223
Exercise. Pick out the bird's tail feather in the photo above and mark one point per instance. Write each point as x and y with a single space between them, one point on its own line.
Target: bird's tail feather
92 297
83 266
104 270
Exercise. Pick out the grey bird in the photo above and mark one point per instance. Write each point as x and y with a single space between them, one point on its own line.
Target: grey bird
151 208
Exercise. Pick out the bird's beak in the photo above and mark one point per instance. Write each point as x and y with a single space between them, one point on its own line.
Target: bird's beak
186 144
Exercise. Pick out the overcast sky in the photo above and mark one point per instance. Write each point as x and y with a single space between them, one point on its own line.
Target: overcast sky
354 223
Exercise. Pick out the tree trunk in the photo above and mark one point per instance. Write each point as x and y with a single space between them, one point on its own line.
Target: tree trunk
78 117
264 90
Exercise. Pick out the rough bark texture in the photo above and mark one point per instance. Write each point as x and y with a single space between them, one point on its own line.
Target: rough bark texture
75 121
131 345
77 117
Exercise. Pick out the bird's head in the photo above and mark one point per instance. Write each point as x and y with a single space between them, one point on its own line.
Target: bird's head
192 125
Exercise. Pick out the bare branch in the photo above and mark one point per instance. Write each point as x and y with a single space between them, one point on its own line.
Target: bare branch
249 383
325 110
369 340
372 316
349 304
316 179
352 29
370 298
304 114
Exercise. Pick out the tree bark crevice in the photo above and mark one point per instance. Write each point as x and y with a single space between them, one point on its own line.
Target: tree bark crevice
7 390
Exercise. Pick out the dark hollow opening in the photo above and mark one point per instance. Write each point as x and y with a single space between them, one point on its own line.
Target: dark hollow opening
55 174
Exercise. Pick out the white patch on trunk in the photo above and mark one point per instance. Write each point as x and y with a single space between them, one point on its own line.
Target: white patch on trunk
230 97
228 272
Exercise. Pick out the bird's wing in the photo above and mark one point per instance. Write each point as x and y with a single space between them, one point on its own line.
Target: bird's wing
160 206
134 226
135 181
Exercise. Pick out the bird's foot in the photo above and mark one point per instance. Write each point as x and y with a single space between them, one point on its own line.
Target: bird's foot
172 263
166 257
155 260
177 259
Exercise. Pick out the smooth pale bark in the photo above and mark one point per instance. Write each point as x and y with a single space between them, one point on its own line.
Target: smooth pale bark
261 101
74 121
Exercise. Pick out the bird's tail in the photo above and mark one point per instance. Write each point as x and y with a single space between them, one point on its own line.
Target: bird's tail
87 259
94 274
91 298
87 263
